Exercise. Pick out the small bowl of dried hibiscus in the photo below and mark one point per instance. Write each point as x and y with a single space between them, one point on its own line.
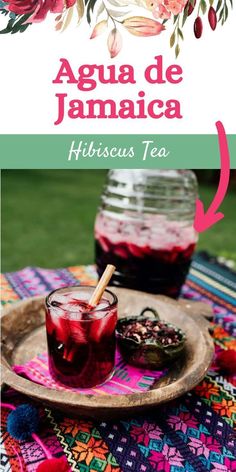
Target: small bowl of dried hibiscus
149 342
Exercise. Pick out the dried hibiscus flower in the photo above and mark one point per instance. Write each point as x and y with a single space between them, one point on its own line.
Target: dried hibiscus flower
147 341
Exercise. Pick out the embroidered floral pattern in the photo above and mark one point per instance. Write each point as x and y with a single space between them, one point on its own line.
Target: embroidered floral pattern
192 433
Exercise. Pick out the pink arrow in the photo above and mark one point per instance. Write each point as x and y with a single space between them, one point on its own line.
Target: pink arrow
203 221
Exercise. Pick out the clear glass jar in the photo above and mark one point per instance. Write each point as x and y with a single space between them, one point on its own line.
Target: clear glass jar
144 227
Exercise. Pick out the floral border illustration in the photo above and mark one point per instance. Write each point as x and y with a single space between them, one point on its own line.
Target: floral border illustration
113 15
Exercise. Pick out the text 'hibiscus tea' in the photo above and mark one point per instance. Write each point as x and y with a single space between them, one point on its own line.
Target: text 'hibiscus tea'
81 338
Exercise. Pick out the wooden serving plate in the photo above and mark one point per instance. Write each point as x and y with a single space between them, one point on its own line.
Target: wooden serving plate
23 337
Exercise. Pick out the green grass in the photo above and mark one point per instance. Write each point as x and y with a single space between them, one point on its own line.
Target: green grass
48 218
220 239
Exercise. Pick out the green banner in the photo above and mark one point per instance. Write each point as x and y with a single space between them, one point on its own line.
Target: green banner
113 151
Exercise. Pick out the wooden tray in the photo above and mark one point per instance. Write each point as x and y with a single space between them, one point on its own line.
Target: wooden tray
23 337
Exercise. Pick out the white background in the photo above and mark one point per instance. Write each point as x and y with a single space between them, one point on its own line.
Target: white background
30 61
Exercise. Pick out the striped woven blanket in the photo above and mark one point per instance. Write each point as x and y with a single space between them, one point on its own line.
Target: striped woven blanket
193 433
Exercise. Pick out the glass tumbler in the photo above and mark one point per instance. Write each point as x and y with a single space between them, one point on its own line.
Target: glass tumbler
81 340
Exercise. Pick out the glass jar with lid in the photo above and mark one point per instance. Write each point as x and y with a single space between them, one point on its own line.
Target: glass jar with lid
144 227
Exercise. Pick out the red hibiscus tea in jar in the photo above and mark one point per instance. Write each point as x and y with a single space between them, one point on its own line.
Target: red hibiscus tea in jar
81 339
156 265
145 228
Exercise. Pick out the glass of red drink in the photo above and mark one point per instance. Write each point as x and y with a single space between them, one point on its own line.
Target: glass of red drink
81 339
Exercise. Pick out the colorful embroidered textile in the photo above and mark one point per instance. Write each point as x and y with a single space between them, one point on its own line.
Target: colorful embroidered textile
193 433
126 379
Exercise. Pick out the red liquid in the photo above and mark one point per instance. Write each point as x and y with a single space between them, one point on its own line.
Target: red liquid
143 268
81 348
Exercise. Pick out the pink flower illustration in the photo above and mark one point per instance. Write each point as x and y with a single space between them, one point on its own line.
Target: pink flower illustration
161 12
164 8
20 14
175 6
141 26
114 42
37 8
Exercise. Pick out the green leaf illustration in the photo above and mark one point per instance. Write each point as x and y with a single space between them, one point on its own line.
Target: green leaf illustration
172 40
226 12
221 14
203 6
177 50
15 25
218 5
185 16
90 7
180 34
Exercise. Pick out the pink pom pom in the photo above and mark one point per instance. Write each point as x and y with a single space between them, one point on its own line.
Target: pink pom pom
54 465
226 361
